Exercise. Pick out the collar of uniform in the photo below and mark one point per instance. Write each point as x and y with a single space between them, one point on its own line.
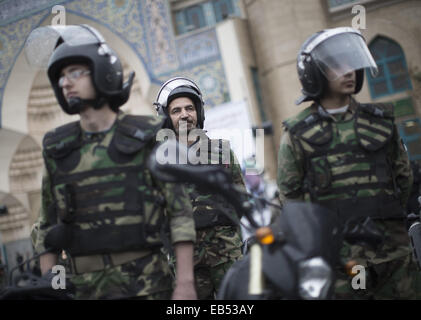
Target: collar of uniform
348 115
353 104
96 136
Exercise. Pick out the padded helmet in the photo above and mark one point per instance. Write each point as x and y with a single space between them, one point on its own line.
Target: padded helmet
72 44
175 88
342 49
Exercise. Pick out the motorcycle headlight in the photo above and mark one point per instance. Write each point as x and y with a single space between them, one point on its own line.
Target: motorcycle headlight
315 278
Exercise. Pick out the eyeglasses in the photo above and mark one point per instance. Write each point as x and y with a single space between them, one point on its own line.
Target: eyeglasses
72 76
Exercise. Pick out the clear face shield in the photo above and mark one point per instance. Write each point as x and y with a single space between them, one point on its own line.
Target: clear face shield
42 42
169 86
342 53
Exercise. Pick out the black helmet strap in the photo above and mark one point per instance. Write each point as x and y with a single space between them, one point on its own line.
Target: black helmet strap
77 104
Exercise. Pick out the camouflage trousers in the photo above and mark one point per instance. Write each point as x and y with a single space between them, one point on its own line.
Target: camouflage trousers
387 272
216 249
208 279
144 278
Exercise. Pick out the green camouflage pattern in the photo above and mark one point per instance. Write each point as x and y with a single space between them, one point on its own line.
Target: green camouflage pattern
216 247
209 202
146 278
334 167
390 271
392 260
142 277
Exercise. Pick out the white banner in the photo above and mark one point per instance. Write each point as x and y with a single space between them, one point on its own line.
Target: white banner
231 121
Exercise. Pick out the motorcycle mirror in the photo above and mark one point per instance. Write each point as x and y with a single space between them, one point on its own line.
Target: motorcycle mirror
349 268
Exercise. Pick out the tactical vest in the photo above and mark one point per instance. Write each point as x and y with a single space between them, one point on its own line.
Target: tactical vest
104 198
210 209
347 163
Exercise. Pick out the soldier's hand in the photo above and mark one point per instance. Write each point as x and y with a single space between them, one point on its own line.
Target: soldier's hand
184 291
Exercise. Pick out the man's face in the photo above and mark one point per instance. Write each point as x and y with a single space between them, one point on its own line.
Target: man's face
182 109
75 81
344 85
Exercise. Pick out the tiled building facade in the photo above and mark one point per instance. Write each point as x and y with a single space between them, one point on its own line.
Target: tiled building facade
236 50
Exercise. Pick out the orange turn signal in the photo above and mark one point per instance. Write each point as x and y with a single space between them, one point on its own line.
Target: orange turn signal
265 235
348 268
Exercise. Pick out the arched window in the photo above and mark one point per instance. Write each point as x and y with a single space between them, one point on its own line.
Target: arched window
393 74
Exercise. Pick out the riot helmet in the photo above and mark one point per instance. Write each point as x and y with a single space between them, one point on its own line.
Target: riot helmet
339 50
79 44
175 88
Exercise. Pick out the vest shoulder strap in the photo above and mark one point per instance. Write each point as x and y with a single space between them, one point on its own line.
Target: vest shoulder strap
133 132
304 118
141 127
380 110
312 126
374 125
59 142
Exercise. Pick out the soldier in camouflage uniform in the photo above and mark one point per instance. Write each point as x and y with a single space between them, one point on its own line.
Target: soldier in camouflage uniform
218 240
349 157
100 203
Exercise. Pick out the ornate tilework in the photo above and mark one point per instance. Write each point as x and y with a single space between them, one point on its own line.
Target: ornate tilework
160 38
12 38
210 77
11 11
145 25
198 48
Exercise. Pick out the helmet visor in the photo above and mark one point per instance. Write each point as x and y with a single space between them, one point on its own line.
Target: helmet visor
170 85
42 41
341 54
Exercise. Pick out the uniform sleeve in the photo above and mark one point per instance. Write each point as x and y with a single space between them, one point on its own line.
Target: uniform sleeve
237 176
180 213
401 168
45 219
290 170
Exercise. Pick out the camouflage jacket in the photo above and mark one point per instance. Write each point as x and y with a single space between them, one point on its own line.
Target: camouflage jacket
293 168
128 195
213 204
218 240
292 164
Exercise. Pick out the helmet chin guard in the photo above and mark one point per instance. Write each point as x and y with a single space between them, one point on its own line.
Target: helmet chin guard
76 104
